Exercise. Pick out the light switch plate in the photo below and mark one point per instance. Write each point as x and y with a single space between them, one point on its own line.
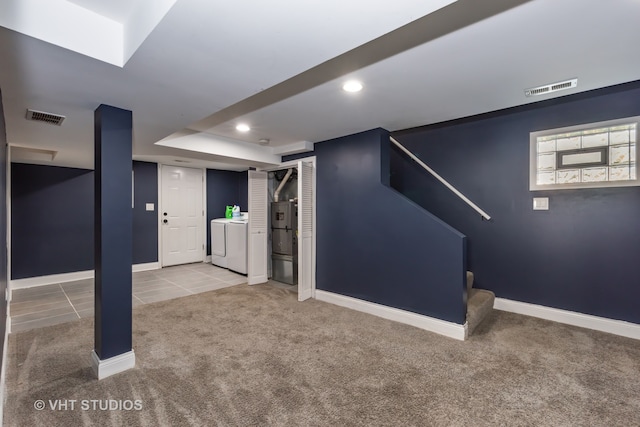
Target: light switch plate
150 206
540 203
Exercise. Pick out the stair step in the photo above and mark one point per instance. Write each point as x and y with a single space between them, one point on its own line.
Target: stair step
479 304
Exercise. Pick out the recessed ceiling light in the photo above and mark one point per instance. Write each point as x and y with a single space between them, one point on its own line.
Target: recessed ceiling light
242 127
352 86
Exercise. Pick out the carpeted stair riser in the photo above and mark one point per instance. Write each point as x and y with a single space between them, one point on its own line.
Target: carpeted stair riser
479 304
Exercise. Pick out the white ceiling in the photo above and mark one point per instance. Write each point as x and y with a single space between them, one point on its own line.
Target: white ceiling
279 66
117 10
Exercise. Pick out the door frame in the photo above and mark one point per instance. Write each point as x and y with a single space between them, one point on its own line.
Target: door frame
9 289
294 164
204 210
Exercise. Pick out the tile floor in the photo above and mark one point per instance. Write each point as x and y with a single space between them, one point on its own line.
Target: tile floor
58 303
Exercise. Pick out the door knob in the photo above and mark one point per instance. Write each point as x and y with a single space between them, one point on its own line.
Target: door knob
165 214
165 221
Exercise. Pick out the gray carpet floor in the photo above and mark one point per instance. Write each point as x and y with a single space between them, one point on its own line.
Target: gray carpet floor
254 356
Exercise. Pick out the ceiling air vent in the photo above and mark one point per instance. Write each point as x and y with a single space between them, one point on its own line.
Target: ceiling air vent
41 116
553 87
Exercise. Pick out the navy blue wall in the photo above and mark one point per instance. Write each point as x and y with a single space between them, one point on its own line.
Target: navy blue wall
581 255
52 219
224 188
3 227
145 223
376 245
52 211
243 190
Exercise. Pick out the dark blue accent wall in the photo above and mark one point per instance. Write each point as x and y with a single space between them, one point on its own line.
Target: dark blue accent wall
52 210
113 231
581 255
51 220
224 188
3 228
243 190
376 245
145 223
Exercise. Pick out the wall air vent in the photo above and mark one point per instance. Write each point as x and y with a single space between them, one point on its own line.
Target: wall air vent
553 87
41 116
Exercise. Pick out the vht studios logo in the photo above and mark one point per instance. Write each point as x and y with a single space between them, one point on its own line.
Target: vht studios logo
88 405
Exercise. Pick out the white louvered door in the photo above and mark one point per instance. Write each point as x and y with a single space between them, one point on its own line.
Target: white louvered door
258 223
306 220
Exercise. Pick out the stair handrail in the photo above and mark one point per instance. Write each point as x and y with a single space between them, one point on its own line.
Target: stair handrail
482 213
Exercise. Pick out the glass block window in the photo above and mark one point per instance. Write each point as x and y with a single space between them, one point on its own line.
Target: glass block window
594 155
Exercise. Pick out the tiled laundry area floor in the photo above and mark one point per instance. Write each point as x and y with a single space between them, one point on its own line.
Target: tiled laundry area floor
62 302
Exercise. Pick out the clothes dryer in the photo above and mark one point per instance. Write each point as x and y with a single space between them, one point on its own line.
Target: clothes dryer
237 246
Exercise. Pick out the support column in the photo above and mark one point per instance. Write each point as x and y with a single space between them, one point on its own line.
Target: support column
113 351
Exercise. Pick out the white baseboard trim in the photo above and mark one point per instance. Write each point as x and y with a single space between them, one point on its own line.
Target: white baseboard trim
207 260
448 329
31 282
145 267
51 279
603 324
113 365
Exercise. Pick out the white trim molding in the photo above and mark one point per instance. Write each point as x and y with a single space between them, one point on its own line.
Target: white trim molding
113 365
448 329
51 279
145 267
603 324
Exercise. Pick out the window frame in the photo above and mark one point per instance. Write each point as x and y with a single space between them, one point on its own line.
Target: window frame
533 156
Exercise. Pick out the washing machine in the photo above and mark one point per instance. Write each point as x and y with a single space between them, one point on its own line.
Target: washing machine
219 241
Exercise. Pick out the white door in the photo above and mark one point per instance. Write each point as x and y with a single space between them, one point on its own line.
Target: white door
181 215
306 239
258 219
